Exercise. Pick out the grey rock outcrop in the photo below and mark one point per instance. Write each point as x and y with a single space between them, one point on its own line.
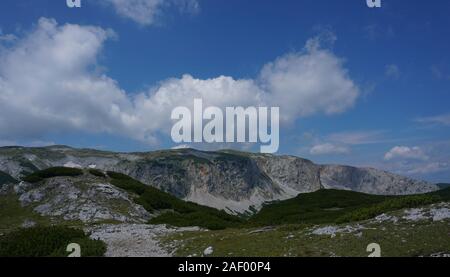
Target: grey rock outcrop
84 199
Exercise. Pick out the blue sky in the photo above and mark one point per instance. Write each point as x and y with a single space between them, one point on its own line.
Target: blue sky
393 66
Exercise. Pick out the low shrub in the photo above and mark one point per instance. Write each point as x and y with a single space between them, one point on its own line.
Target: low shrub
52 172
97 173
48 241
405 202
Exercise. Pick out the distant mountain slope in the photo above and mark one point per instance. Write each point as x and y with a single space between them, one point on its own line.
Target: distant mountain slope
90 196
6 178
235 181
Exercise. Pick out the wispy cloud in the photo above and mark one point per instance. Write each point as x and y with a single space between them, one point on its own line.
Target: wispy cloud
392 71
443 119
376 31
328 149
438 73
358 137
341 143
7 37
149 12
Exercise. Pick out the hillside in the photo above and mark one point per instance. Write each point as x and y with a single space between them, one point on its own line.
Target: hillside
236 182
6 178
128 215
337 206
419 232
92 197
443 185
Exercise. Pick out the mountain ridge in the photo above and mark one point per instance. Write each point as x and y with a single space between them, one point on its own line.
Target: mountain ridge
237 182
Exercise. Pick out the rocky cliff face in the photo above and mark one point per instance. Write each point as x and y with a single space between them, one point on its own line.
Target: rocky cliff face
234 181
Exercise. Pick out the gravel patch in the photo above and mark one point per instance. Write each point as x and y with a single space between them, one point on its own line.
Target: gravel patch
134 240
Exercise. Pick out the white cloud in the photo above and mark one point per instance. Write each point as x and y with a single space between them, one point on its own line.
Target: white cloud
438 73
342 142
428 168
49 84
357 137
421 161
405 152
443 119
376 32
36 143
309 82
392 71
147 12
328 148
181 146
46 84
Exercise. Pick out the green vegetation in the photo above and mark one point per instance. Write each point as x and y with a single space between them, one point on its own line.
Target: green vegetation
52 172
443 185
97 173
444 194
192 214
48 241
337 206
396 240
179 213
5 178
127 183
12 214
294 220
322 206
392 204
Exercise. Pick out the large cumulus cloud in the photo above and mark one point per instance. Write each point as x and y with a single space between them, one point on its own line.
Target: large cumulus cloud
50 82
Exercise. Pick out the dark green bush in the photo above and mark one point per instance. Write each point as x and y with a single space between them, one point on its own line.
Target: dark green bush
97 173
201 219
337 206
127 183
52 172
48 241
319 207
118 176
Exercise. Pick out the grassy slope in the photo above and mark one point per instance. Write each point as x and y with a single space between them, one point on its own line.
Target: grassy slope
291 237
404 239
12 214
330 206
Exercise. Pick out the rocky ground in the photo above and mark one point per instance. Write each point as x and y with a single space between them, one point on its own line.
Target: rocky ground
407 232
135 240
85 198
